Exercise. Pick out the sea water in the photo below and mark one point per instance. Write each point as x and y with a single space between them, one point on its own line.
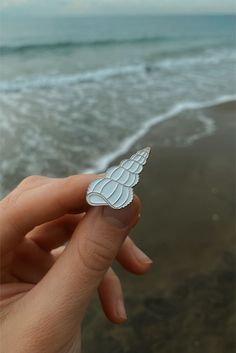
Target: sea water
77 92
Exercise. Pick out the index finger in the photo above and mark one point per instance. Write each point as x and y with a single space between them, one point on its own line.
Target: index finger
41 204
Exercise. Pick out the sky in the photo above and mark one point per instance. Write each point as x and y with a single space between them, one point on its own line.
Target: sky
114 7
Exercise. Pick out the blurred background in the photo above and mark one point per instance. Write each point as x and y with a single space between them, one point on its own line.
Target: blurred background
84 82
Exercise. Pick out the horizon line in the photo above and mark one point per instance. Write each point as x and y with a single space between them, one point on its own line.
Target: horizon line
117 15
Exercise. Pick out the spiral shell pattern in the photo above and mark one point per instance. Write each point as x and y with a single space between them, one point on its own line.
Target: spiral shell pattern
115 189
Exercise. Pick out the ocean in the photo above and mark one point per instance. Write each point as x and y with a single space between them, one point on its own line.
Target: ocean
75 93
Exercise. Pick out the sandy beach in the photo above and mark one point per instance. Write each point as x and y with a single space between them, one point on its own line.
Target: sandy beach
186 302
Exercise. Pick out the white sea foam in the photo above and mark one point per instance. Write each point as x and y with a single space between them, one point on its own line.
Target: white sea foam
61 80
210 57
123 148
208 128
50 81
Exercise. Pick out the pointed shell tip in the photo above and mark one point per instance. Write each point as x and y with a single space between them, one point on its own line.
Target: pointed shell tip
148 149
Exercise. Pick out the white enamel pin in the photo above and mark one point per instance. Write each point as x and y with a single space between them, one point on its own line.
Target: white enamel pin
115 188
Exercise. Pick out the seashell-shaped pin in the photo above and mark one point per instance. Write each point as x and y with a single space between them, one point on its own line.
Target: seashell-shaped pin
115 189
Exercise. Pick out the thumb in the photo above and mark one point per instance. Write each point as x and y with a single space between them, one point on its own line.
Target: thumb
69 286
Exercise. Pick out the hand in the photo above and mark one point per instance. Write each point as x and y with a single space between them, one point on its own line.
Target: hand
46 287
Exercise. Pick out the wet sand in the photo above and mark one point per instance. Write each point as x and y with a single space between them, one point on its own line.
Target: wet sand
186 303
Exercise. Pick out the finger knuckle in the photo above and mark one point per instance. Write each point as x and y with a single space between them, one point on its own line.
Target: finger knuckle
71 180
26 184
95 255
8 201
112 278
29 180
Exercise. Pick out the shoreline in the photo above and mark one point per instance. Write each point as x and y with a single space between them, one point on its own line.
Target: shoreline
104 162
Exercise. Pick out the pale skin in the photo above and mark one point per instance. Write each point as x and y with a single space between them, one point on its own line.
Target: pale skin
46 287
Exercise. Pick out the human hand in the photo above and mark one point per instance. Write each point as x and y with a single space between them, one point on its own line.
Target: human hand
47 287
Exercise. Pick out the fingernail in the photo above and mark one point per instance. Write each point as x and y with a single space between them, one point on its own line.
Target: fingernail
121 310
122 218
141 256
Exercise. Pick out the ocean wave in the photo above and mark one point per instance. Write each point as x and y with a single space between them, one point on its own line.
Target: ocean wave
209 58
14 49
125 145
50 81
61 80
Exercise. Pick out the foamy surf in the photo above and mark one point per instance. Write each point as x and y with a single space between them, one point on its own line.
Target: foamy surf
174 112
73 100
63 80
59 80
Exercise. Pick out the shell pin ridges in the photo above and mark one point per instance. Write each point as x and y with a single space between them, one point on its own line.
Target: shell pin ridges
115 189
